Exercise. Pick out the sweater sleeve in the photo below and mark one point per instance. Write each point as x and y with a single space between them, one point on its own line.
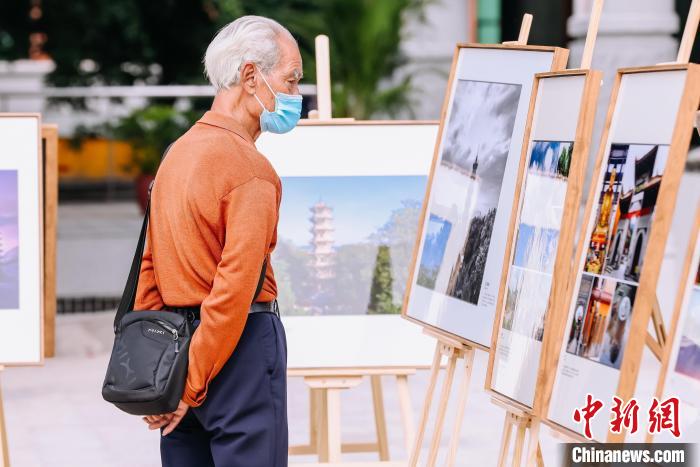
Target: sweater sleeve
147 295
250 215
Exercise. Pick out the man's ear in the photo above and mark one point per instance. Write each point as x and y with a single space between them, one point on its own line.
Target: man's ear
248 80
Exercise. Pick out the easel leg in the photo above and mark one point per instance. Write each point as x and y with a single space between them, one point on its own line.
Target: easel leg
519 443
540 459
442 407
322 414
4 449
533 444
463 392
379 420
434 372
505 439
333 424
406 411
314 418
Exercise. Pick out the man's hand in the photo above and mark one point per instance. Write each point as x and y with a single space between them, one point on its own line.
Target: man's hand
175 417
157 421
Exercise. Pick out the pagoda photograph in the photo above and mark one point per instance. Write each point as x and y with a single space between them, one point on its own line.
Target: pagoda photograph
341 250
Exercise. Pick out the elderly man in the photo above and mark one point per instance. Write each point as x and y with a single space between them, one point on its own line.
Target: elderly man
213 225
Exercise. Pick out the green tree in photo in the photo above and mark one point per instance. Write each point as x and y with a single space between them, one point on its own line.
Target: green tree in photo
381 297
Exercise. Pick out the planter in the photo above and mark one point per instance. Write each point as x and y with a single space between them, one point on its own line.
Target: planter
142 182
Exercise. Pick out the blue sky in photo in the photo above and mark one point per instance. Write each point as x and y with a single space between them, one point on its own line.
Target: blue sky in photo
545 155
535 247
361 204
438 232
8 207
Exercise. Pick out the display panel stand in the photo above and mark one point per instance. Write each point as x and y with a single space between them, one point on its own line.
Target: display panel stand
326 384
659 344
454 350
49 137
521 421
646 308
325 387
519 417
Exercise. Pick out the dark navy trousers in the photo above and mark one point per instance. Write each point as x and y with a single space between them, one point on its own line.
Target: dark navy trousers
243 420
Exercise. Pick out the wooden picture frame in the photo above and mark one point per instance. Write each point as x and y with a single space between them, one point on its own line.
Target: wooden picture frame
548 229
676 97
17 327
488 74
49 136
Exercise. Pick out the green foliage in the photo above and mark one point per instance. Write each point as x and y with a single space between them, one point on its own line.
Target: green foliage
565 160
365 38
381 297
14 30
150 131
163 42
129 41
399 233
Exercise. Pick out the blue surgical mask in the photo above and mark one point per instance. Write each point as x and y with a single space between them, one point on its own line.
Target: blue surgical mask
286 114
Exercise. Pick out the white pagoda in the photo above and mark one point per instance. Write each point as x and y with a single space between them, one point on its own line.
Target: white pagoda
322 240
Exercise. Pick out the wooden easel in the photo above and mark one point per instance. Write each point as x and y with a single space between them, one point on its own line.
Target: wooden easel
325 387
519 417
646 306
49 136
659 344
326 384
520 421
454 350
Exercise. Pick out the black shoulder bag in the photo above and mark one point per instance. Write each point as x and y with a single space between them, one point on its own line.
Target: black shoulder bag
148 367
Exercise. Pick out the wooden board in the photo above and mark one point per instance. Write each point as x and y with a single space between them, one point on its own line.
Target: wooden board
411 309
590 365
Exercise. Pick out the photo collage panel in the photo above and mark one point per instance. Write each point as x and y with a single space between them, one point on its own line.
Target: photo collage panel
537 237
467 187
600 325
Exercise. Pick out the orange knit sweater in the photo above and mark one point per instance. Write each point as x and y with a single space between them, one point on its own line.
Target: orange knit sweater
214 212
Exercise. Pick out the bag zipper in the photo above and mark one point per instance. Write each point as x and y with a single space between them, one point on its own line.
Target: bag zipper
169 328
172 330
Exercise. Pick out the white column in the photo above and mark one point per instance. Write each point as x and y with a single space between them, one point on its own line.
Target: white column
22 85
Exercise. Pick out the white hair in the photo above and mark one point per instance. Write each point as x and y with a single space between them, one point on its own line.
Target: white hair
247 39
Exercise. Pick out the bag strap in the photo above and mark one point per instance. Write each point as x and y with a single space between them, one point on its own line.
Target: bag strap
126 303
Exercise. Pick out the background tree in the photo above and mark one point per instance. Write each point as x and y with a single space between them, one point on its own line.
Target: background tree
381 297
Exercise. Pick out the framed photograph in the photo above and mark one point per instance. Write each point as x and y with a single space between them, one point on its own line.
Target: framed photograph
457 264
351 200
545 210
21 240
622 244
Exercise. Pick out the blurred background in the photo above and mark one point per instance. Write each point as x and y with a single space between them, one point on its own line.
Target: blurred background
124 78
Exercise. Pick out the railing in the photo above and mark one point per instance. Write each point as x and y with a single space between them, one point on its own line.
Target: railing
100 101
